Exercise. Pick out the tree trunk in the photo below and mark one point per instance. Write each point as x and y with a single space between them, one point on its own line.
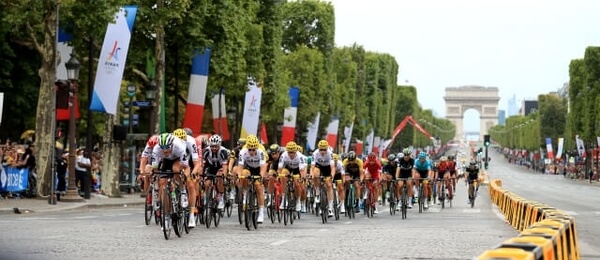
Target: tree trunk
44 126
159 55
111 160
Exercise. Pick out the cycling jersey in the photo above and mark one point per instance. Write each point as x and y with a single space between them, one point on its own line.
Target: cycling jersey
323 162
274 163
452 167
443 167
213 162
339 170
293 165
423 168
390 168
252 162
178 153
472 173
373 167
147 152
406 167
353 167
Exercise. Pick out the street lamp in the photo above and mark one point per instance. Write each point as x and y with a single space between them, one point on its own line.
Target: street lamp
131 88
231 113
151 96
73 66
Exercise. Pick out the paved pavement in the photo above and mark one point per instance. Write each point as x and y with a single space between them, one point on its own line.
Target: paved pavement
39 205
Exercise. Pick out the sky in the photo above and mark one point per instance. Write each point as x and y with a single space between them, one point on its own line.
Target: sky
522 47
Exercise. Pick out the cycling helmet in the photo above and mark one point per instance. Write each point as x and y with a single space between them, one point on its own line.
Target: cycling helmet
472 163
252 142
165 141
351 156
152 141
399 155
291 147
241 141
336 157
214 140
299 148
188 131
422 155
372 156
443 159
451 158
407 151
391 157
323 144
180 133
343 156
274 148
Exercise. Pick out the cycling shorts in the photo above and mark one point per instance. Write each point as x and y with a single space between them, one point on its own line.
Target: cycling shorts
325 170
423 174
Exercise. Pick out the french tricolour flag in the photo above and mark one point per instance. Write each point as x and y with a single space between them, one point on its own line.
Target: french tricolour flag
194 110
288 131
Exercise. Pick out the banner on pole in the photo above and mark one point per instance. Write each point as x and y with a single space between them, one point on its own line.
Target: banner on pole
194 109
251 109
288 131
313 131
113 56
220 115
332 132
549 152
560 147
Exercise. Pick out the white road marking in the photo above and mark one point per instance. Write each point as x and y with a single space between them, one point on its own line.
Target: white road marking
85 217
572 213
350 222
471 210
322 230
278 243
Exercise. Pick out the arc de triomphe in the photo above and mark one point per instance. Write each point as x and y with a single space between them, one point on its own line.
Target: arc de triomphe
483 99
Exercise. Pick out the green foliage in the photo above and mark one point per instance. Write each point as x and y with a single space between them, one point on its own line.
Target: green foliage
552 110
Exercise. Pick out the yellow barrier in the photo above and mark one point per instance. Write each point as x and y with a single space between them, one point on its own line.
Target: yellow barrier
506 253
546 232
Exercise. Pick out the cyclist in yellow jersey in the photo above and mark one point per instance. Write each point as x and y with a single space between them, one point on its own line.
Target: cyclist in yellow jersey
354 171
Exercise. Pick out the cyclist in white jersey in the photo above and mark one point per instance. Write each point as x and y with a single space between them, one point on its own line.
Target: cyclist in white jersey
146 160
253 162
291 162
195 163
322 165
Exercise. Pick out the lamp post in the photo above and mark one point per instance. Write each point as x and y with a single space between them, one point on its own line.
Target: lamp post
231 117
73 66
131 88
151 96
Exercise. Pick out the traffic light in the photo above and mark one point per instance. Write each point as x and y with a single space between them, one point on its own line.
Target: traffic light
486 140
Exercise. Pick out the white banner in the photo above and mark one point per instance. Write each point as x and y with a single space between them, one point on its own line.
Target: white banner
63 54
369 140
313 132
559 150
111 63
348 136
251 109
580 146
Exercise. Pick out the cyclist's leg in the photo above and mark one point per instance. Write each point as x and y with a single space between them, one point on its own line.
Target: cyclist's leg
447 182
316 173
243 175
283 185
271 184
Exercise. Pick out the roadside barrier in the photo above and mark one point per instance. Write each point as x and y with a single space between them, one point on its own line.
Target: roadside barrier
546 233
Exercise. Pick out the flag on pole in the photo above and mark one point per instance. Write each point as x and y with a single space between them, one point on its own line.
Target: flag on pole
376 144
288 131
369 140
251 109
560 147
194 109
263 134
313 131
111 65
549 148
358 149
332 132
580 146
63 53
348 136
220 115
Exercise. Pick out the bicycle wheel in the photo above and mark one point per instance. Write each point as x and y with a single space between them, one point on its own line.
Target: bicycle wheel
177 216
292 205
208 208
240 206
450 195
217 216
323 204
186 220
443 194
392 199
164 215
149 210
254 209
350 201
336 209
421 198
473 196
248 210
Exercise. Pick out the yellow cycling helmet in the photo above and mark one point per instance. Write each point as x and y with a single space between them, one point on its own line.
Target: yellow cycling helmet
252 142
336 157
299 148
323 144
291 147
180 133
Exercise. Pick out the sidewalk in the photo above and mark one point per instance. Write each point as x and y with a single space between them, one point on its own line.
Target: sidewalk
39 205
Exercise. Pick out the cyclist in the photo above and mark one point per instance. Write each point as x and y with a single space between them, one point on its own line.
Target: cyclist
452 167
195 165
233 163
215 161
471 177
373 167
390 174
274 152
291 163
145 167
404 171
322 165
169 155
422 170
252 161
306 160
338 178
442 174
354 171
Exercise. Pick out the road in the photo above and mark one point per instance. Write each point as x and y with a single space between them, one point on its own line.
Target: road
459 232
578 198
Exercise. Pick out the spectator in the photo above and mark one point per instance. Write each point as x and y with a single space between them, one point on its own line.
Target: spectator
82 173
61 169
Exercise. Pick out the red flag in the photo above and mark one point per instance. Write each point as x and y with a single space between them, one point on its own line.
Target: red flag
263 134
63 114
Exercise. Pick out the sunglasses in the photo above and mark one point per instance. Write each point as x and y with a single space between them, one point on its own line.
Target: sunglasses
165 147
251 150
322 150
